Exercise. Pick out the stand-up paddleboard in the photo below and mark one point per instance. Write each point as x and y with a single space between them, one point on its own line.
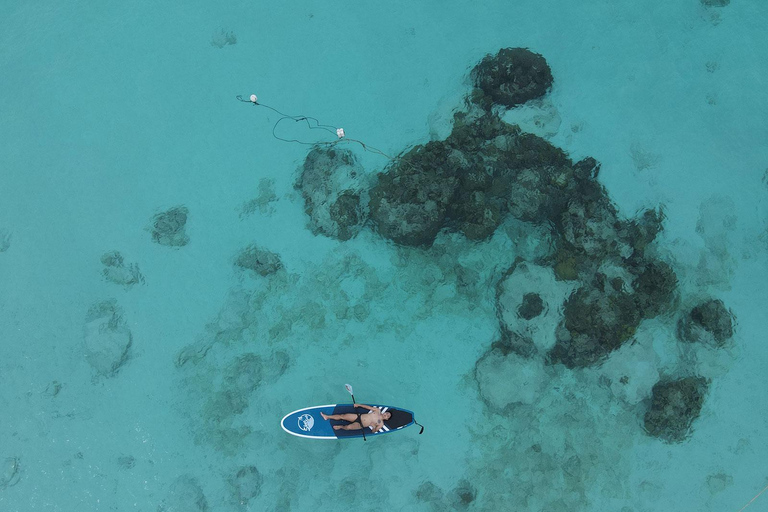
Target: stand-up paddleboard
309 423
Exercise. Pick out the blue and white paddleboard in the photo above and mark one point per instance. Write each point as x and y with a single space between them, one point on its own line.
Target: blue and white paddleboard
309 423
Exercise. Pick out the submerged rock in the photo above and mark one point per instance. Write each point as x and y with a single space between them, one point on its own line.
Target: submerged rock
510 78
710 322
674 406
106 338
168 227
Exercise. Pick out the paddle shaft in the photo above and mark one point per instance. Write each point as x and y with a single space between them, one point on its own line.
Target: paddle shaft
349 388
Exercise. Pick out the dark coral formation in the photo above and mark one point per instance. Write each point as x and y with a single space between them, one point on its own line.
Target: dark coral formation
259 260
483 171
709 321
332 184
675 404
510 78
597 321
654 286
409 204
531 307
347 213
168 227
603 314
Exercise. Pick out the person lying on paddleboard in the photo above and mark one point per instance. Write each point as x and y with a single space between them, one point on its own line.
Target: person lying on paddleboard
374 419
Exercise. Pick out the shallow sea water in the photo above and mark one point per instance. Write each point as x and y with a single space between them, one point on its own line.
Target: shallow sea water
113 114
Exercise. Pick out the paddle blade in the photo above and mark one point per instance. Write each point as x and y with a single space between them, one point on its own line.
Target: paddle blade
349 389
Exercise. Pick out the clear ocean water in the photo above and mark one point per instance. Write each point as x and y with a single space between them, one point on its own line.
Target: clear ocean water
111 114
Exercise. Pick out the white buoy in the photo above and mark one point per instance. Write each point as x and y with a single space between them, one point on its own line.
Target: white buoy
253 98
340 132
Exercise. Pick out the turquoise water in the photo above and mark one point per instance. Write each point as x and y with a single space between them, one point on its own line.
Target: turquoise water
113 114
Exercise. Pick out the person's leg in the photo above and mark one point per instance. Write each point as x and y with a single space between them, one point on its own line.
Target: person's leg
344 417
351 426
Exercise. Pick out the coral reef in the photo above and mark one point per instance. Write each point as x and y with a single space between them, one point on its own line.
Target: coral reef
334 188
409 203
709 322
675 404
654 286
596 323
510 78
484 170
531 307
168 227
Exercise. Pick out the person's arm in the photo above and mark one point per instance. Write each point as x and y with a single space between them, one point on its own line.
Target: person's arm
364 406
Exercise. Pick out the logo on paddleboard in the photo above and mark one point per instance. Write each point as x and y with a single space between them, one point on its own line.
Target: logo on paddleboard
306 422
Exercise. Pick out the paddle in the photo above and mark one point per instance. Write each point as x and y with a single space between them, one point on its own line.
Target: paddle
349 390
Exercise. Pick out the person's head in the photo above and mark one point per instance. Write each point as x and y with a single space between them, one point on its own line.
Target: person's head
386 415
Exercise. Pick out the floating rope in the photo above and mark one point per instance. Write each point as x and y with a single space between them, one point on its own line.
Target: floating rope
312 124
